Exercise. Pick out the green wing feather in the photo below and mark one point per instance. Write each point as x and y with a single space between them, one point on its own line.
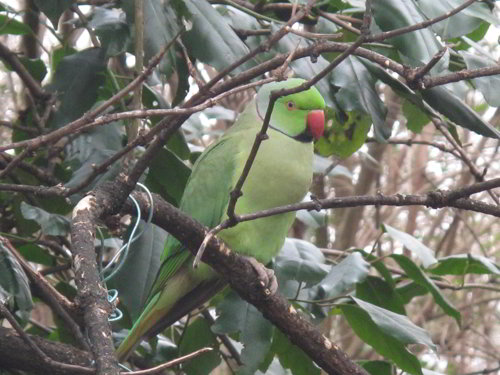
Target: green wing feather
205 199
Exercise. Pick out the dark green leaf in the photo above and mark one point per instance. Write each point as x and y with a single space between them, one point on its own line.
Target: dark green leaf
51 224
91 149
457 111
135 278
417 275
58 54
161 24
385 344
377 367
13 282
76 81
34 253
198 335
53 9
410 290
292 357
344 276
168 176
425 254
416 117
417 47
462 264
379 265
396 325
236 315
111 27
9 25
212 40
302 261
490 85
460 24
357 92
35 67
378 292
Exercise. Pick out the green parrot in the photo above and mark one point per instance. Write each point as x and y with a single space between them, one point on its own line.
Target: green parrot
281 174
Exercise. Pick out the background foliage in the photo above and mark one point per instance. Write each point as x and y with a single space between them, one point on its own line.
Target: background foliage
408 289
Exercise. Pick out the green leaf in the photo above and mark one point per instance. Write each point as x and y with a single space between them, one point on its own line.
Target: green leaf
357 91
91 149
378 292
410 290
461 264
425 254
462 23
344 276
51 224
13 282
417 47
415 116
457 111
168 176
161 24
236 315
417 275
76 81
198 335
112 29
34 253
138 273
292 357
379 265
377 367
385 344
489 86
9 25
301 261
53 9
212 40
396 325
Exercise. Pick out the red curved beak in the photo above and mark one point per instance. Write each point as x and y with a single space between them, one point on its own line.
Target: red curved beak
316 123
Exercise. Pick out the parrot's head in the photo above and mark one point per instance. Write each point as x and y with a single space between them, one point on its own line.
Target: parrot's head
299 115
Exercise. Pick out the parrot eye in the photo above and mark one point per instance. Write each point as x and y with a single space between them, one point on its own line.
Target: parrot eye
291 105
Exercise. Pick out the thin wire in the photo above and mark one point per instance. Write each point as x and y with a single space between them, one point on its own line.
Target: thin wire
124 249
117 314
132 238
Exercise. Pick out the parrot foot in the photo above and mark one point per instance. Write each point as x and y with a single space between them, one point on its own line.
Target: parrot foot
267 278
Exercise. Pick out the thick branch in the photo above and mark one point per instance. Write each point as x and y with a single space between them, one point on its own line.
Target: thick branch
15 353
241 275
91 296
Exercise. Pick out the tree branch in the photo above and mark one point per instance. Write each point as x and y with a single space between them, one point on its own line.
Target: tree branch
91 296
241 275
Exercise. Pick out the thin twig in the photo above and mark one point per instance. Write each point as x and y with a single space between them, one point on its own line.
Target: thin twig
39 353
59 303
157 369
16 65
418 26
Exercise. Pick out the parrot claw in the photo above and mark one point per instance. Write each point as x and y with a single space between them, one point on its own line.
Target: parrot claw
267 278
